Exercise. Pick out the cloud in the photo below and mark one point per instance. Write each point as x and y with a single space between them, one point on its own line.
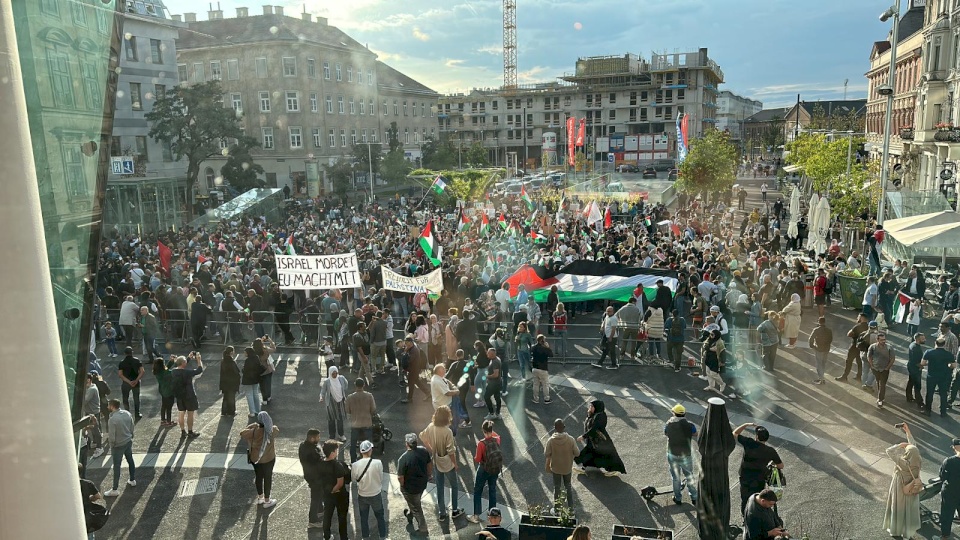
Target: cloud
420 35
495 50
800 88
538 74
451 63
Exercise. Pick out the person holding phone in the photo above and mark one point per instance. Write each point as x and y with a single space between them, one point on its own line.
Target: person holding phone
185 393
760 521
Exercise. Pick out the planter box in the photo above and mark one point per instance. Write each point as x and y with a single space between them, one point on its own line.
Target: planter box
851 291
623 532
549 530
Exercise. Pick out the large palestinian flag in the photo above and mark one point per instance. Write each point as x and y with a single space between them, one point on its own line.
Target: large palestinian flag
590 280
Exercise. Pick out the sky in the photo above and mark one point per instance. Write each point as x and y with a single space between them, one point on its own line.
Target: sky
769 50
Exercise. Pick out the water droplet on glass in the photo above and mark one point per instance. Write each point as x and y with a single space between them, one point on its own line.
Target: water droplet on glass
117 70
127 36
218 180
225 152
244 165
120 93
577 26
274 29
148 95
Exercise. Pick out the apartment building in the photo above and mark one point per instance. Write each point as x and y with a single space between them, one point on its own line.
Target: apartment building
733 110
617 96
305 89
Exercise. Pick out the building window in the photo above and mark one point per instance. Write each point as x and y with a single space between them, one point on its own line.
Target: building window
353 107
296 137
216 72
59 65
423 110
261 64
159 91
50 7
680 95
396 108
141 141
314 103
404 108
267 138
136 103
156 51
613 114
329 100
353 136
363 135
369 77
343 138
340 108
130 46
326 70
167 151
293 101
264 101
316 137
373 135
332 138
613 97
339 74
116 146
198 76
311 68
182 73
92 88
384 107
373 108
76 178
233 69
416 137
406 135
224 143
363 108
237 102
289 66
414 108
349 73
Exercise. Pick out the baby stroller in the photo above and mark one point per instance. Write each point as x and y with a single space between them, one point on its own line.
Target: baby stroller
930 490
380 434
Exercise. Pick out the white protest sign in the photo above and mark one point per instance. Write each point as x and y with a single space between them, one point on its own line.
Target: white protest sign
308 272
430 283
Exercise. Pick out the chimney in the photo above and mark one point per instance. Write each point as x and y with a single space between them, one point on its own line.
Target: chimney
278 10
190 17
177 18
306 17
268 10
241 12
321 20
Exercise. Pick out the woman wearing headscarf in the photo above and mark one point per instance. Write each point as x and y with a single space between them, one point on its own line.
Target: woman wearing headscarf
791 315
599 451
902 515
229 382
333 393
261 435
711 351
450 336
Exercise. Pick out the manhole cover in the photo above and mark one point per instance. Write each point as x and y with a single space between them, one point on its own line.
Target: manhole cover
199 486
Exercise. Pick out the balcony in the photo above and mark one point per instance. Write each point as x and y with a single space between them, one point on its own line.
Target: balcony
946 135
906 134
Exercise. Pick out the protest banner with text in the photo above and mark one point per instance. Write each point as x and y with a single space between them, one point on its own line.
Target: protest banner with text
309 272
430 283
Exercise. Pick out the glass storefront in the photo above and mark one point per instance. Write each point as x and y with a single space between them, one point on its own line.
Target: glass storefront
68 54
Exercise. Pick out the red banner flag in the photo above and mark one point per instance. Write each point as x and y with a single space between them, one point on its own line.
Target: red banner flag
571 129
582 133
165 256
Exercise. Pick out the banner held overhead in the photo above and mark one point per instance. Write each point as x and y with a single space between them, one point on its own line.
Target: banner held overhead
429 283
309 272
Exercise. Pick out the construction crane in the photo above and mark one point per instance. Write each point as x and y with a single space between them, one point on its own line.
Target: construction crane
509 45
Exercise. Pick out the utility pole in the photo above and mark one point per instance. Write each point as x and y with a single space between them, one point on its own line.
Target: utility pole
888 119
370 163
796 128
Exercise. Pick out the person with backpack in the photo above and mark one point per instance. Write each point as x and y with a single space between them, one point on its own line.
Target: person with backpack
676 328
489 460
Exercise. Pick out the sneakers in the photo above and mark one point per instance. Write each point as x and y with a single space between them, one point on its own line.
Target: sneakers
490 417
535 400
841 379
879 404
547 400
479 405
269 502
97 453
443 517
613 367
596 365
497 417
610 473
464 424
259 500
132 483
457 513
676 370
111 493
473 518
579 469
342 438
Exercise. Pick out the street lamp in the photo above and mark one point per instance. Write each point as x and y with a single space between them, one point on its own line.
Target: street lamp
888 91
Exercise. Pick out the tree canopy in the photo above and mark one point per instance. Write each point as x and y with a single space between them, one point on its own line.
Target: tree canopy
825 163
710 165
240 171
340 174
193 120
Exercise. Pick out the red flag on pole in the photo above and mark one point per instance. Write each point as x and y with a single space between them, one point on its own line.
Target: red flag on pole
571 136
165 256
607 219
582 133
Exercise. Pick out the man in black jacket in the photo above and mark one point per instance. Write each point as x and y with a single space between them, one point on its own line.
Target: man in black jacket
820 340
664 298
310 460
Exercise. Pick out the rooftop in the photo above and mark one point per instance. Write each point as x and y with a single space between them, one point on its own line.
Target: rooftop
389 78
768 115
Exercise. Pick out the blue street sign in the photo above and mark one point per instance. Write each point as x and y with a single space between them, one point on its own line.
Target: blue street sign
611 157
122 165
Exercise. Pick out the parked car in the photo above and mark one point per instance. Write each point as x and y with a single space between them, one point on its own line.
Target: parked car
557 179
512 190
650 172
664 164
672 175
629 168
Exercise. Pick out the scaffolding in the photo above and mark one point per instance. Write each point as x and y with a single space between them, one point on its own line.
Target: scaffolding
146 205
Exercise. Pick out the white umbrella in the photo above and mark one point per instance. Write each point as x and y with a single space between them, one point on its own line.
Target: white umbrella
811 215
820 226
794 212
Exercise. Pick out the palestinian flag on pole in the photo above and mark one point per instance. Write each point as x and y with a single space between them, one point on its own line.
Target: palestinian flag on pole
502 220
463 222
525 197
485 225
438 185
428 242
290 250
515 229
901 308
584 280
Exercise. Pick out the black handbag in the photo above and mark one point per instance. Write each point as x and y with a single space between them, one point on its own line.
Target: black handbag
96 517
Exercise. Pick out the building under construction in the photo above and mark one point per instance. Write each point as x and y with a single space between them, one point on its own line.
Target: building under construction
630 105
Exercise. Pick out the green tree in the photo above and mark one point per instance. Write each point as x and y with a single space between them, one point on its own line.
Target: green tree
710 165
841 121
193 120
340 174
438 155
825 163
393 137
477 156
240 171
772 134
395 166
362 156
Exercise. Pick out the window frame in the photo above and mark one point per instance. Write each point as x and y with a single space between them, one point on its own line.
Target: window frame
257 64
264 133
216 70
136 88
156 51
261 100
298 135
284 65
235 76
295 100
